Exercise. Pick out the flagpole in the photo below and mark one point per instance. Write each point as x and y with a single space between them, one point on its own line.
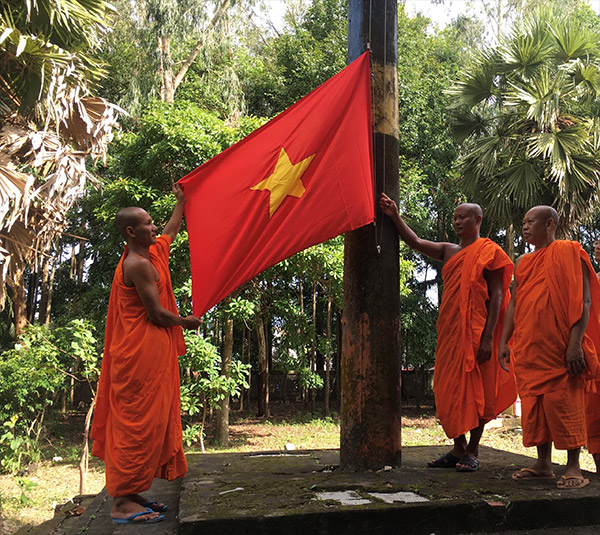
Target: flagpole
370 370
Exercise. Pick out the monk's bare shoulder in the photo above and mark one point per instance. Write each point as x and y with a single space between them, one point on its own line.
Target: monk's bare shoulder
136 267
450 249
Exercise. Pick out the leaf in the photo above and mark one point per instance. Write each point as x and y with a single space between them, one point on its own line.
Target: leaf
21 45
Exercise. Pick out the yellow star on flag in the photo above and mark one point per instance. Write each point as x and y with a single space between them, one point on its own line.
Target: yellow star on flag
285 180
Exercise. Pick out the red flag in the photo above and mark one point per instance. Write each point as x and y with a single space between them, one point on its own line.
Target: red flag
304 177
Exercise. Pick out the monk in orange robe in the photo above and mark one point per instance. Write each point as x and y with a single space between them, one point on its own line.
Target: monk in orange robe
469 386
552 319
137 425
593 404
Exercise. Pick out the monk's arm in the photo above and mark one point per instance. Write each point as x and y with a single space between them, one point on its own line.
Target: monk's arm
432 249
509 325
174 224
574 354
143 278
494 304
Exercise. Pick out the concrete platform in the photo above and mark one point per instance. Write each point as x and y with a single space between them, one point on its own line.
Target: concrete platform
303 492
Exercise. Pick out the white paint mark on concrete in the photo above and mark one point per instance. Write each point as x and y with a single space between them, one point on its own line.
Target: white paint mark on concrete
237 489
405 497
345 497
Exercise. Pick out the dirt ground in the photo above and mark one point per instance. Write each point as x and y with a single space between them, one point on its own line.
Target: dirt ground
52 483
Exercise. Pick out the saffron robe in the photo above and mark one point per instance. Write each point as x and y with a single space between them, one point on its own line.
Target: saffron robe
137 423
549 301
593 417
466 391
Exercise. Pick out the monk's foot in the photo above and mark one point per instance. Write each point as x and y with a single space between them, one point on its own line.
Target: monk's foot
528 474
160 507
128 511
574 481
468 463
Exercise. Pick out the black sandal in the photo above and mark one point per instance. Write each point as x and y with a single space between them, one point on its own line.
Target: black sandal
471 464
444 461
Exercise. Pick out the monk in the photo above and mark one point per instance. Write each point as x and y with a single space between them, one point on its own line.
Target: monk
554 344
137 425
593 404
469 386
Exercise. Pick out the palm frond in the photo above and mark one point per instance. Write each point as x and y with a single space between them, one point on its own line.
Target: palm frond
465 124
573 40
477 85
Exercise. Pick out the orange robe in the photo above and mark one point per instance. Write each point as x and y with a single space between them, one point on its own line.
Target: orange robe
466 391
137 424
549 301
593 416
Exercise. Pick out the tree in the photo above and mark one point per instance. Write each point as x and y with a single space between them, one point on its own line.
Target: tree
527 113
49 124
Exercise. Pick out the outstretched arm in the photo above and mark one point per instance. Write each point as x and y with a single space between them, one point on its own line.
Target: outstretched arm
574 354
432 249
173 225
494 283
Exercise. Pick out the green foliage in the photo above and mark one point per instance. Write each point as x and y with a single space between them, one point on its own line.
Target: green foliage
15 449
33 374
202 385
418 317
26 485
527 113
44 42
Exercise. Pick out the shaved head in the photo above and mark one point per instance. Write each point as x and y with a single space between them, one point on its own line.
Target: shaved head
474 209
547 212
128 217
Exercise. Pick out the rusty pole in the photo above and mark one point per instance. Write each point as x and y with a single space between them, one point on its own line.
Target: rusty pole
370 411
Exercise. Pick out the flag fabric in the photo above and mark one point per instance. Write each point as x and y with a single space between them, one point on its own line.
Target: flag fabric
304 177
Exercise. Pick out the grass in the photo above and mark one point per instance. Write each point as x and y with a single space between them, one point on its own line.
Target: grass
32 502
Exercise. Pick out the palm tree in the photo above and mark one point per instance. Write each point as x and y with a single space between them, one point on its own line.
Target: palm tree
49 125
527 112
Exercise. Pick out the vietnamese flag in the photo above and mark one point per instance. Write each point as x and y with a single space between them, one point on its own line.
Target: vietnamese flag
303 178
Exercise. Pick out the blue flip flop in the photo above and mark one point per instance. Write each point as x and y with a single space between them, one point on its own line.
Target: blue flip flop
158 508
131 519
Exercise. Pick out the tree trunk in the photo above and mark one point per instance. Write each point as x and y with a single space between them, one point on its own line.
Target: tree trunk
85 456
45 291
242 358
19 300
263 368
328 359
509 244
170 83
222 424
167 91
32 292
371 396
313 353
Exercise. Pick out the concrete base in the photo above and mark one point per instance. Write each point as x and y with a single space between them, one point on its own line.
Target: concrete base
254 493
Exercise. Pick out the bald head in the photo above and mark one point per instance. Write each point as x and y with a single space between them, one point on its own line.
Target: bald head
472 208
129 217
546 212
